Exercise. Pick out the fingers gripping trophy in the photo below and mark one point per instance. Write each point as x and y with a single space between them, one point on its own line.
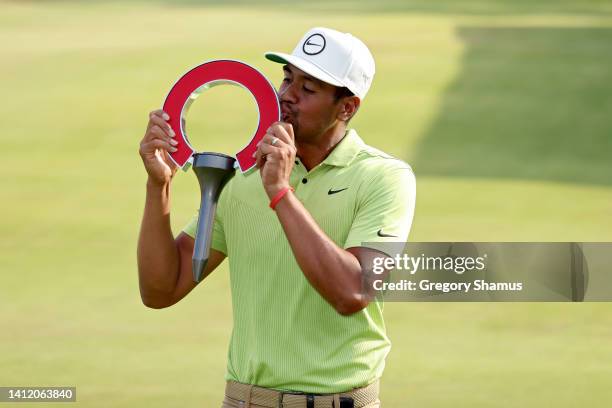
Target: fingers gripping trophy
212 170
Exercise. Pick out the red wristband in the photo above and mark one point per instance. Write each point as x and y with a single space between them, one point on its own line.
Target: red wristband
279 196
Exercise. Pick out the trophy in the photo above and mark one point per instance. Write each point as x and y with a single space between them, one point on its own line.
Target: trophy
213 170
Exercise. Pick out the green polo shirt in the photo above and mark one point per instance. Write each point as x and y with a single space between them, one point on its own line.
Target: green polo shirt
285 335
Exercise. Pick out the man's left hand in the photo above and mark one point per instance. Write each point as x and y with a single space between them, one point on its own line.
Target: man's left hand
275 157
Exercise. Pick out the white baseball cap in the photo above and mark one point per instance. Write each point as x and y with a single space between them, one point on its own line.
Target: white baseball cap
333 57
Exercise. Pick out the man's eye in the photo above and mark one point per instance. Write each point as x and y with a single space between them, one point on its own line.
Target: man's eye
308 90
285 79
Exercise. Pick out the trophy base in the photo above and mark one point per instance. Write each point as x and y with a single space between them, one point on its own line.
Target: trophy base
213 170
213 160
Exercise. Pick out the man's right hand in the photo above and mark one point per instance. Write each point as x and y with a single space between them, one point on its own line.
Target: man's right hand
154 147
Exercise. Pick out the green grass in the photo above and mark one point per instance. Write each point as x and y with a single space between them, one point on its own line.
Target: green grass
529 102
502 107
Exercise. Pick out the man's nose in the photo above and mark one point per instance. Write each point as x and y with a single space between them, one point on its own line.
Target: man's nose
287 93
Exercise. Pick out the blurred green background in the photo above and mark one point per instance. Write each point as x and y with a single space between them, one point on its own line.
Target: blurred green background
504 109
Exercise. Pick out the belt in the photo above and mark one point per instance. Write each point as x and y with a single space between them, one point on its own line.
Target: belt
252 394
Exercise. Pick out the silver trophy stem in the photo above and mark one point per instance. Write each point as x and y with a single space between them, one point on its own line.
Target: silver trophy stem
213 170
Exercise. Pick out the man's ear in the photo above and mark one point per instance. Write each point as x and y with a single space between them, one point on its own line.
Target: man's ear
348 107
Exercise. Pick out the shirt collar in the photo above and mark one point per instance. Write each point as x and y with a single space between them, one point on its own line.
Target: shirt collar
346 150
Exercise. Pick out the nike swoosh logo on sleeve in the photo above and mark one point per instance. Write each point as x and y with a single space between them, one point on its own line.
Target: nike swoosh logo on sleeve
381 234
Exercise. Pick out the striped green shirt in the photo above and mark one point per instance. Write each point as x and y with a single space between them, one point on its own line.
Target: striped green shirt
285 335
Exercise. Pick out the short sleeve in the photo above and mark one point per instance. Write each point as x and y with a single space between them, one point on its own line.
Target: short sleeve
218 235
385 208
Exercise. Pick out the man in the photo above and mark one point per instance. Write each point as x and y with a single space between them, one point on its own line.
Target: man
305 333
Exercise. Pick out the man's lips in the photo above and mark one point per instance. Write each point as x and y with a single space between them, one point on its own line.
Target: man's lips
286 112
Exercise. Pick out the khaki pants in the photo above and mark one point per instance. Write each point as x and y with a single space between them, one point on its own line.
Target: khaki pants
236 396
232 403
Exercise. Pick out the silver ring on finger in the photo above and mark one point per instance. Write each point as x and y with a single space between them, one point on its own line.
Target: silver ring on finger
274 140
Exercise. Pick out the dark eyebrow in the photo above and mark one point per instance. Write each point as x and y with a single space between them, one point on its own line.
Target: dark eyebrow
312 79
307 77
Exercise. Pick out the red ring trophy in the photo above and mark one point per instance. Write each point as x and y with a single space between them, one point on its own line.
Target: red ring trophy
213 170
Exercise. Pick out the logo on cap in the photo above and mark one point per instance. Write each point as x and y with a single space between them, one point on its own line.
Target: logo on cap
314 44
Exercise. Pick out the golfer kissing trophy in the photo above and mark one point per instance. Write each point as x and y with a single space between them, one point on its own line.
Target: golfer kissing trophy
213 170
